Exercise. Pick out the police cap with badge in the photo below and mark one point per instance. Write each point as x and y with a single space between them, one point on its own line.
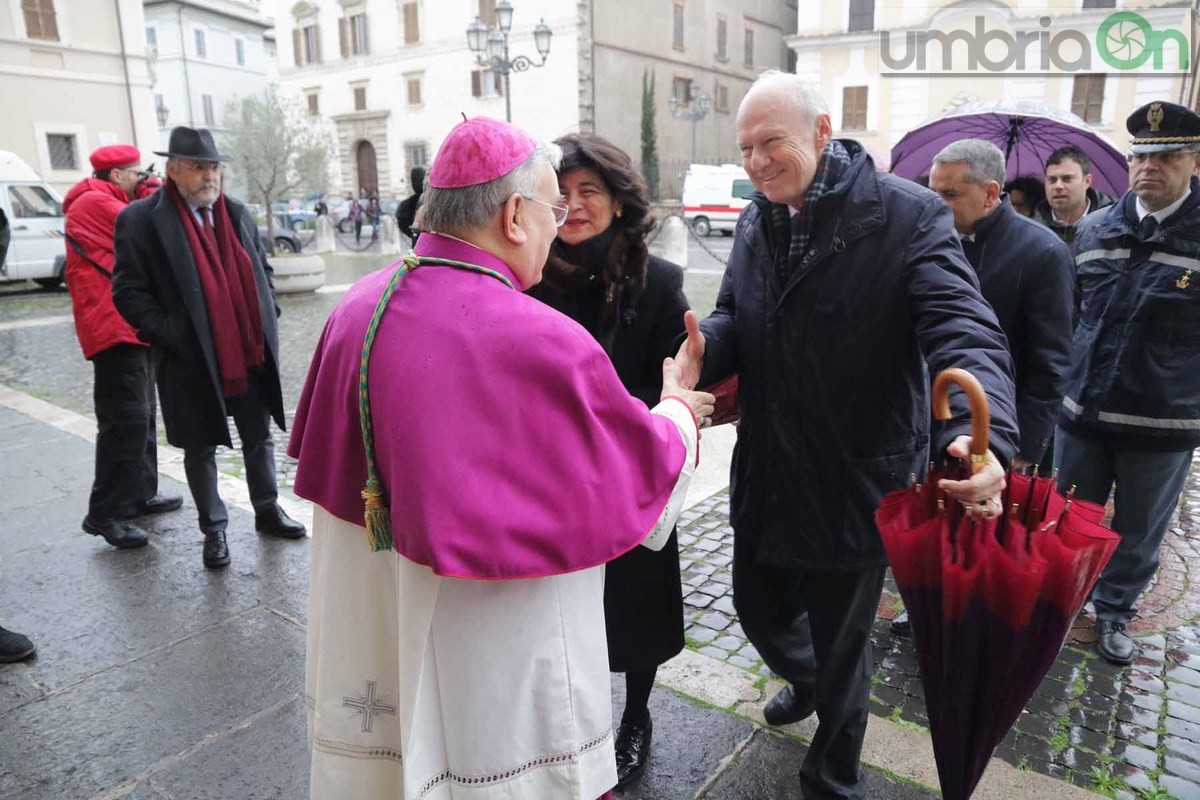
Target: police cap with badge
1160 126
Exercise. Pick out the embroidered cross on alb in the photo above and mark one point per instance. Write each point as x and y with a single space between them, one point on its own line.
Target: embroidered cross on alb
368 707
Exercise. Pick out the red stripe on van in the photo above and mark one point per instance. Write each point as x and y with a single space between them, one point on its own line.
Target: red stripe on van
712 209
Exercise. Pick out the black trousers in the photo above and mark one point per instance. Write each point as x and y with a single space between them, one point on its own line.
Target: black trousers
253 420
126 451
813 629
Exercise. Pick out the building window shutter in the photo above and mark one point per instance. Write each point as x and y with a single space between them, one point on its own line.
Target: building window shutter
854 108
344 36
487 12
862 16
1087 98
40 21
412 24
298 47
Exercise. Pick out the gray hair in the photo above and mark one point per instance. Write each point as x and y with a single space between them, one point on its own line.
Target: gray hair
803 96
984 160
474 206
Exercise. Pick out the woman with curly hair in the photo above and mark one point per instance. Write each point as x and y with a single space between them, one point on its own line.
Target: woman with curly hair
601 274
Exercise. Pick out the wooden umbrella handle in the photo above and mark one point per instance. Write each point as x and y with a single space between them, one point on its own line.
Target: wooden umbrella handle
976 398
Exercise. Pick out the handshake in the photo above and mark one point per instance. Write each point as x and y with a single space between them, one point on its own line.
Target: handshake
682 373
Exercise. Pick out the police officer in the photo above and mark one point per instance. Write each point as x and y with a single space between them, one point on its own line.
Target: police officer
1131 414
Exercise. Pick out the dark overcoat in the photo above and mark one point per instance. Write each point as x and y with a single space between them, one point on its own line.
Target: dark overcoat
157 289
834 364
1027 276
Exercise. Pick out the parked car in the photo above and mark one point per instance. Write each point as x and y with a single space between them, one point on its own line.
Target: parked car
292 215
36 222
286 240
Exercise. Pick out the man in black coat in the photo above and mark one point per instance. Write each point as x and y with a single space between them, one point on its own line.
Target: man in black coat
192 278
1069 193
406 212
842 284
1026 274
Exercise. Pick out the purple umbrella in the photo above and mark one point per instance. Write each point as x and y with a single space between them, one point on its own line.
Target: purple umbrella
1025 131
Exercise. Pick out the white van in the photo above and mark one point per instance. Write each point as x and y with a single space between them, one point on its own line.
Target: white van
36 222
714 196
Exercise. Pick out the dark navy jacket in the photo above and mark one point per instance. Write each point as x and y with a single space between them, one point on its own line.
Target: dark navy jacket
833 389
1027 276
1135 359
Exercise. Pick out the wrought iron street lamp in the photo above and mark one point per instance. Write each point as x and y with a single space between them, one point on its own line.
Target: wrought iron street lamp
162 113
491 47
695 109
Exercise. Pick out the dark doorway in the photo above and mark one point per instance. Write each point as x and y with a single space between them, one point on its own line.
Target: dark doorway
368 175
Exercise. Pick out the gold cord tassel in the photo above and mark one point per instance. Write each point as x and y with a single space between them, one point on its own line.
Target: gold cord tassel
378 518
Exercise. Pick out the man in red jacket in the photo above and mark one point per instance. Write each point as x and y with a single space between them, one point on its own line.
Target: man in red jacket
126 482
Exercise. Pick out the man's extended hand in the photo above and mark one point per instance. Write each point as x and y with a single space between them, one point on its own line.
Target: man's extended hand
981 493
701 403
690 358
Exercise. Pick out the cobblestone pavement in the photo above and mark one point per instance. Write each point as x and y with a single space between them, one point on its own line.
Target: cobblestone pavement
1124 732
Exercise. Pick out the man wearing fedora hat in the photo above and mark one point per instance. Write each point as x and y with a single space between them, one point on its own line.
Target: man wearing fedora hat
192 278
126 481
1131 414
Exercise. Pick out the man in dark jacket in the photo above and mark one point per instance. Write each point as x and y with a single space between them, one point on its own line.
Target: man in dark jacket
1131 414
126 480
842 283
192 278
406 213
1069 193
1027 276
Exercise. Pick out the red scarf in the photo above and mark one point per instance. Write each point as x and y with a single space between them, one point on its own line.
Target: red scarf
227 279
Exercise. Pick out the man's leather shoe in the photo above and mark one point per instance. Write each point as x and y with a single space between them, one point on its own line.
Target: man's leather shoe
900 624
1114 643
14 647
159 504
633 751
116 532
274 522
786 707
216 551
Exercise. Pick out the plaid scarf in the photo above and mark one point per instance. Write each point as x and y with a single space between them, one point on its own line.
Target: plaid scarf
792 231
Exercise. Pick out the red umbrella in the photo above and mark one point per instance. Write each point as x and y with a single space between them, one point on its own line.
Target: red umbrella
990 601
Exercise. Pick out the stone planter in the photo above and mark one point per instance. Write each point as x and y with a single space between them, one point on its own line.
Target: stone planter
295 274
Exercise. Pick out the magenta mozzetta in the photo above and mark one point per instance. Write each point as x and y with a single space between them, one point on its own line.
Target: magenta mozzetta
446 347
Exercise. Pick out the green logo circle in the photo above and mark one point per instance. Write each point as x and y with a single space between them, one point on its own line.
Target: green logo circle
1124 39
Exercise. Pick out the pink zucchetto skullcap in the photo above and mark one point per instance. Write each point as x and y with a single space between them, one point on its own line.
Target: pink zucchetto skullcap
479 150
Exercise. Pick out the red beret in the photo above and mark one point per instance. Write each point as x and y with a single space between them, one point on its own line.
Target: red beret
115 155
